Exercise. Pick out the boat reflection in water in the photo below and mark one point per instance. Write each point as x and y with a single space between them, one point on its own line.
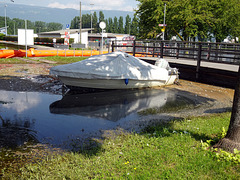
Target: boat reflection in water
110 105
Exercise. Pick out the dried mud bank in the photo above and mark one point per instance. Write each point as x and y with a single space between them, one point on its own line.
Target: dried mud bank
28 77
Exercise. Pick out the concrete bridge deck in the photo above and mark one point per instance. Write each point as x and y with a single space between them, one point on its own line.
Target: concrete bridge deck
227 67
212 73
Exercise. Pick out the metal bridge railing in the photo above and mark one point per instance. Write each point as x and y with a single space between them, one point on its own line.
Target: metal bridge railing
203 51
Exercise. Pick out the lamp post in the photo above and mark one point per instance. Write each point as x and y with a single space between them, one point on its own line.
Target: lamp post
5 19
80 24
164 19
14 27
91 18
102 25
6 16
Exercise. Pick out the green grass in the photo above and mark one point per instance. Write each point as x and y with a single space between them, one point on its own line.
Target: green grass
167 151
57 59
11 61
64 60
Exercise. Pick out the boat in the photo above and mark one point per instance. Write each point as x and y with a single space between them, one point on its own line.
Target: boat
116 70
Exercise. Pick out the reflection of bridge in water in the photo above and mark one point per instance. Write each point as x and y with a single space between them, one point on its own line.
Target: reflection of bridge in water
214 63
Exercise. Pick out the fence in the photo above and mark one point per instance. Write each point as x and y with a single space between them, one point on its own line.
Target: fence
201 51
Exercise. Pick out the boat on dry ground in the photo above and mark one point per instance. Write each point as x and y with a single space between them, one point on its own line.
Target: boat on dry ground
116 70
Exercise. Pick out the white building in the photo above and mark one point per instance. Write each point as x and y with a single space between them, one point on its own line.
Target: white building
2 30
73 33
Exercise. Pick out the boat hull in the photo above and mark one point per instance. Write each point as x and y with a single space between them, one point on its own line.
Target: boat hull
115 83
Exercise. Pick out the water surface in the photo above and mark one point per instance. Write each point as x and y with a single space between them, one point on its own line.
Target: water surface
56 119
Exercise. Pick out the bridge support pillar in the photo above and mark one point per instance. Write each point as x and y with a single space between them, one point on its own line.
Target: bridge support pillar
198 61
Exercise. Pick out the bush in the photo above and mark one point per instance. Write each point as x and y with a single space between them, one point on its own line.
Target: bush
50 40
2 36
11 38
37 39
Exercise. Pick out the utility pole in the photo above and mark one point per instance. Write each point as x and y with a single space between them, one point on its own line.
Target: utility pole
14 27
6 19
164 20
80 27
5 15
91 18
26 37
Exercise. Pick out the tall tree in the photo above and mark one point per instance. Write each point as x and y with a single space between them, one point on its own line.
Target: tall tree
191 20
20 24
101 18
195 19
75 23
115 25
150 14
95 22
39 26
134 26
120 25
30 24
127 24
110 24
52 26
86 21
226 17
107 25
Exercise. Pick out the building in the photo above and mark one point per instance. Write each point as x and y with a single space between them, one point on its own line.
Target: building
68 33
2 30
89 39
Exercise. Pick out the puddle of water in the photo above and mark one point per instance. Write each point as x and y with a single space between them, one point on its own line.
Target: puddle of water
55 119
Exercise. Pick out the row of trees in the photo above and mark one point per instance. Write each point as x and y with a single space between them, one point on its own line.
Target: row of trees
113 25
202 20
38 26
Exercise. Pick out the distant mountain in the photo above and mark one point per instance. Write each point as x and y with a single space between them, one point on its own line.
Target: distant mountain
63 16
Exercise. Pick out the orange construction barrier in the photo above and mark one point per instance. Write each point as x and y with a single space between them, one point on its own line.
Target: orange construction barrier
5 53
42 53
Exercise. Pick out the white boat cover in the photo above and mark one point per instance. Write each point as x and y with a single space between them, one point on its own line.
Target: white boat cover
116 65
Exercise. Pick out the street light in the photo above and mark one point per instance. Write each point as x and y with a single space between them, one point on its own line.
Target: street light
164 25
164 19
14 27
91 18
5 19
80 24
6 16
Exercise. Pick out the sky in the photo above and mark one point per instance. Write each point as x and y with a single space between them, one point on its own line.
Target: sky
123 5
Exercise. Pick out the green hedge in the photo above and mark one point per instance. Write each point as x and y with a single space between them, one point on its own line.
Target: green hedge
2 36
11 38
46 40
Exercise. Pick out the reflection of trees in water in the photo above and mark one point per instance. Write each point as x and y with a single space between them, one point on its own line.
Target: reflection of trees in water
14 133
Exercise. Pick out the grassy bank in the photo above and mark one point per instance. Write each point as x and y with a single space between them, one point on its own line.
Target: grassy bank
12 61
167 151
64 60
57 59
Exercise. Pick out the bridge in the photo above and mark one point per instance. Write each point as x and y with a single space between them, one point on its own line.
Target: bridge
213 63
